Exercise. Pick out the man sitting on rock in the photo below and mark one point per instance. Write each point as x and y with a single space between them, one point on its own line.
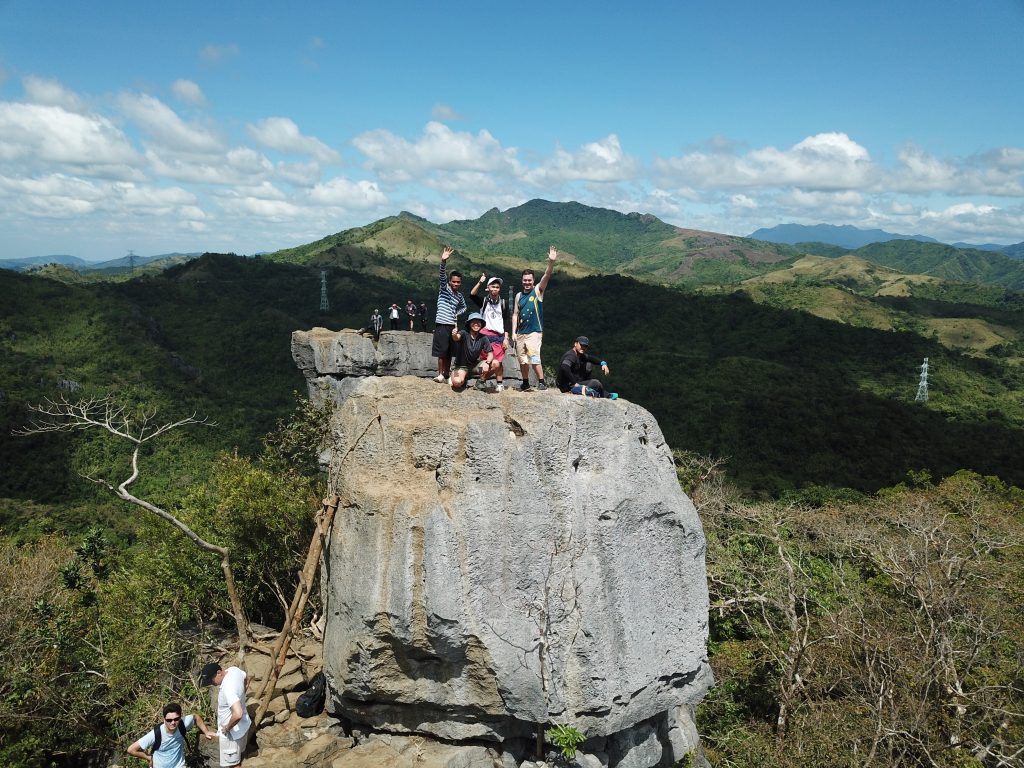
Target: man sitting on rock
473 352
575 370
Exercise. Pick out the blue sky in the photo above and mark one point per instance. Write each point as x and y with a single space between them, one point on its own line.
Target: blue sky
253 126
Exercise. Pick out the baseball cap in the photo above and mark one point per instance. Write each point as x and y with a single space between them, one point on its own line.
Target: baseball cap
493 280
208 672
583 341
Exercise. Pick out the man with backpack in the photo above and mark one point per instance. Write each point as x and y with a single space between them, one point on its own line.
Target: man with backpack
166 746
497 323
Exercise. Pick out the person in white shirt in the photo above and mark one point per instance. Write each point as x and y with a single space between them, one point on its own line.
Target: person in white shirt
233 723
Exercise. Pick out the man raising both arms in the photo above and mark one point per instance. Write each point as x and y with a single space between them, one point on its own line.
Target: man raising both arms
450 305
528 322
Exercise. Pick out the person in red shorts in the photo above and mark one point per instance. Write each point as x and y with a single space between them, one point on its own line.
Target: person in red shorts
494 310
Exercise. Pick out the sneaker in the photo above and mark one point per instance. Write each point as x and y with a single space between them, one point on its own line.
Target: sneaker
481 385
524 387
614 396
499 388
541 386
439 379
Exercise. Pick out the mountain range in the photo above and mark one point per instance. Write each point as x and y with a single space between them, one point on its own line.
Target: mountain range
847 236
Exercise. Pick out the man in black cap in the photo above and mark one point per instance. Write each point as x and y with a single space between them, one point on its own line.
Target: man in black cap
233 723
575 370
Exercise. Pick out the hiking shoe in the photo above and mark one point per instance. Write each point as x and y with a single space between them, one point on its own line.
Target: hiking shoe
439 379
614 396
481 385
524 387
541 386
499 388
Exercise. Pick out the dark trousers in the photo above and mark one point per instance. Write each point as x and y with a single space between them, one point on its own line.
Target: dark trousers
394 324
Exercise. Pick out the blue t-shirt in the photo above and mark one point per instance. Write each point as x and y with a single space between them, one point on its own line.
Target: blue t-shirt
531 313
172 746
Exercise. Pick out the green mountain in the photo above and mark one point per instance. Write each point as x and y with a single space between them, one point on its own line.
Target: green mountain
960 264
590 240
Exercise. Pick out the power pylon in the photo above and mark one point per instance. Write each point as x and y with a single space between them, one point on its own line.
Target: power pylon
325 305
922 384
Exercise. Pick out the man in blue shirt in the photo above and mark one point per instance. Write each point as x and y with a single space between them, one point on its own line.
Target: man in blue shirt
171 751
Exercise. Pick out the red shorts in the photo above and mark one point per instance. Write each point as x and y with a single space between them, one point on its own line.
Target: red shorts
497 345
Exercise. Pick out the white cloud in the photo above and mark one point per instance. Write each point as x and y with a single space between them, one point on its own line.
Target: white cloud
438 149
602 160
49 92
822 161
344 193
239 165
214 54
298 174
283 135
36 135
162 125
189 92
444 113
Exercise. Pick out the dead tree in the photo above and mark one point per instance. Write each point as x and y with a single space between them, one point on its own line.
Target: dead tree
137 429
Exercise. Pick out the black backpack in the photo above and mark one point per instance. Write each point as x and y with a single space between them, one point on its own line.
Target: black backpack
311 702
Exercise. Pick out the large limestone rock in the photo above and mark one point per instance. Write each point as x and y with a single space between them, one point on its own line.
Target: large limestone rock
500 561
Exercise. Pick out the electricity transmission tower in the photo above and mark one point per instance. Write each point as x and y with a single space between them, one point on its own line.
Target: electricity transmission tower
922 384
324 303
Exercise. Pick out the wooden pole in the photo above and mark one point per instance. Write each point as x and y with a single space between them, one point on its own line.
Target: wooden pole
324 520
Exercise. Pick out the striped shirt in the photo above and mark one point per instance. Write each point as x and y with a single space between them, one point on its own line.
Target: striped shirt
449 303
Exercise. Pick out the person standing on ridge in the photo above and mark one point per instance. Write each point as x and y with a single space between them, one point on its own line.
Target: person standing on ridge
528 322
233 723
167 741
494 310
450 305
410 312
423 315
393 317
376 323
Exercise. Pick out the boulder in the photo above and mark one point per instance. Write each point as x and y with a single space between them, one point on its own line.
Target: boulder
501 562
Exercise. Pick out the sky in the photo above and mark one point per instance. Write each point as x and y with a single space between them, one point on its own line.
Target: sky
249 127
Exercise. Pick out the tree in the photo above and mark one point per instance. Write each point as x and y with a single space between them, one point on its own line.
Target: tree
137 429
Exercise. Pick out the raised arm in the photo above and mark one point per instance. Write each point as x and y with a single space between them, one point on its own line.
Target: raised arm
543 284
445 255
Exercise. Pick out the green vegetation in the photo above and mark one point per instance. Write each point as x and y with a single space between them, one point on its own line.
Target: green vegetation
104 606
881 631
566 738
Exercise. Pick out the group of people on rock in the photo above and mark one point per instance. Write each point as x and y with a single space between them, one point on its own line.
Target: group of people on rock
413 312
479 349
166 746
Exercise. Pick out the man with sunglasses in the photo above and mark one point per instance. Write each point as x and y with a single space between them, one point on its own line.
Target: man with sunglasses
170 751
233 723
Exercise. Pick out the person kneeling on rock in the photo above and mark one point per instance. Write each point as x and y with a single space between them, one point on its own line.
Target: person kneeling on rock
575 371
472 353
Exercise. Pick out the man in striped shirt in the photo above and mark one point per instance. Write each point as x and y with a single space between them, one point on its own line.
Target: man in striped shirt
450 305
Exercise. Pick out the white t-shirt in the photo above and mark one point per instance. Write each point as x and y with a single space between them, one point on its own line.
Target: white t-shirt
232 689
493 320
172 746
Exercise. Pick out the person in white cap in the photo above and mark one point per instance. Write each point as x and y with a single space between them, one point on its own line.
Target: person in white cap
497 322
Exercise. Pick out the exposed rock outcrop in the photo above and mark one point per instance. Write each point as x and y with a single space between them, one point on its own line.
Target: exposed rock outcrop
503 562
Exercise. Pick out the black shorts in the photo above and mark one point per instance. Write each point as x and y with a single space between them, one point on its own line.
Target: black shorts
442 345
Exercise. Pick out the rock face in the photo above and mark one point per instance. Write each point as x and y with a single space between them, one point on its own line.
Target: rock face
505 561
